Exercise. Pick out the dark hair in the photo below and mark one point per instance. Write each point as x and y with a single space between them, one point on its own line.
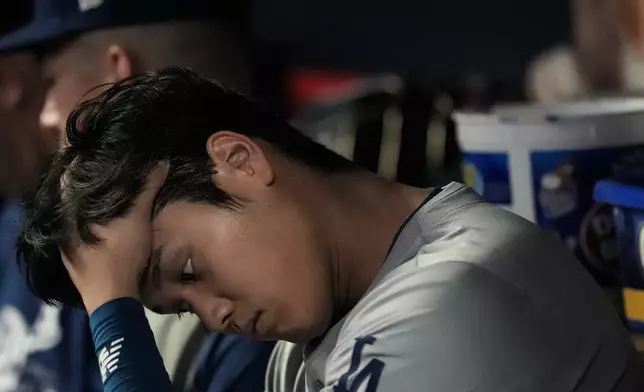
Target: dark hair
116 139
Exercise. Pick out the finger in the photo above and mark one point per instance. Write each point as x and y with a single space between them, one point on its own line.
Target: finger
69 266
154 182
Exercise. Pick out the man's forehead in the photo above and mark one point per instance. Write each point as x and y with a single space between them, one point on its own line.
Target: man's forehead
170 220
164 219
53 62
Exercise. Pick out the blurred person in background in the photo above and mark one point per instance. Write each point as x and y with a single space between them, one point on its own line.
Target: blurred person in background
606 56
84 44
42 348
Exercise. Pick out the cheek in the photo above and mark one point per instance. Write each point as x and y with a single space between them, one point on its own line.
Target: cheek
278 271
206 304
302 300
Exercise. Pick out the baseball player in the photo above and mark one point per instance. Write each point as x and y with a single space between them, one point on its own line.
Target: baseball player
181 196
82 44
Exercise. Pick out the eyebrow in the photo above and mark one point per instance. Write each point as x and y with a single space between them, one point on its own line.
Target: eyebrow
152 271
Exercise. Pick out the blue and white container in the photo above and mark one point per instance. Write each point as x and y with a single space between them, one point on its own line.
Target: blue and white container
542 162
628 210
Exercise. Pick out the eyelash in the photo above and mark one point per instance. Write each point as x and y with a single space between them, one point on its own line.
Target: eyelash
185 308
180 313
186 278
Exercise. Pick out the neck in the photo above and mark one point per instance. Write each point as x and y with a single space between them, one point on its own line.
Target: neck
367 213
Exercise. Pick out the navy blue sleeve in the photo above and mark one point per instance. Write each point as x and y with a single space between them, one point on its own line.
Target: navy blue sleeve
253 376
128 357
91 376
232 364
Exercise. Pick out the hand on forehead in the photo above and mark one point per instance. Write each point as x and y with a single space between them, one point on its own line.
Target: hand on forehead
144 203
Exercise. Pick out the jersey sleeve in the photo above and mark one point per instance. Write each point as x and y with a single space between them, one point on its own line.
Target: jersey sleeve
128 358
232 363
459 327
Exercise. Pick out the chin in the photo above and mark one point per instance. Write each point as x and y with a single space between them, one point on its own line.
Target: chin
302 334
313 331
297 338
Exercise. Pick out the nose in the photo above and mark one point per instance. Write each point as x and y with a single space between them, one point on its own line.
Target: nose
51 121
216 313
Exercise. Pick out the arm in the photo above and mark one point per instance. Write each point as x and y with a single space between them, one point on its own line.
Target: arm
107 276
127 354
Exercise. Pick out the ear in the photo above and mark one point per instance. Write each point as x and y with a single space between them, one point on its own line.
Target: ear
236 158
117 63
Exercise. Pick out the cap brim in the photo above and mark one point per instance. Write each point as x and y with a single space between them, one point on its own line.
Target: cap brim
33 34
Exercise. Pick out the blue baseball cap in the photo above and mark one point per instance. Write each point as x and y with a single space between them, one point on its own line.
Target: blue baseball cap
54 19
14 16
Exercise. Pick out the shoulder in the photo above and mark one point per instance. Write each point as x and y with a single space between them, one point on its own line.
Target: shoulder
454 324
487 300
420 329
285 371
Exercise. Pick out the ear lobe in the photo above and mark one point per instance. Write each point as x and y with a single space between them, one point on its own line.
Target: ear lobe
236 155
119 64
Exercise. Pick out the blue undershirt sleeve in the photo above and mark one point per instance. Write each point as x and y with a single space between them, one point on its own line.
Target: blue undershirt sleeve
127 353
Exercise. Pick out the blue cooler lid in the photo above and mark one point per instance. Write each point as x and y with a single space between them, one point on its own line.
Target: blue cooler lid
619 194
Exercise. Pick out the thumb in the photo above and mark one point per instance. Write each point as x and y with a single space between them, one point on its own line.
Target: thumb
69 265
154 182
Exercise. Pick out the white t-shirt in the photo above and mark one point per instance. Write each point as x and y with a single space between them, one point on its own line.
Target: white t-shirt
474 298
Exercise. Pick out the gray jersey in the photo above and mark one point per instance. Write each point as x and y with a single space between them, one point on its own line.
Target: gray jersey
473 298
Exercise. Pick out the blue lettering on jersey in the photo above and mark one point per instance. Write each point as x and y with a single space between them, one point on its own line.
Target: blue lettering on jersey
370 373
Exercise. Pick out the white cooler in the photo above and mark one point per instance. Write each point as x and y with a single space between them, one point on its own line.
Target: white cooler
541 162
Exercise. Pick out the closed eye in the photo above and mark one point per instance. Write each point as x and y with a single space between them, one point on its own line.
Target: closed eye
187 272
185 308
187 276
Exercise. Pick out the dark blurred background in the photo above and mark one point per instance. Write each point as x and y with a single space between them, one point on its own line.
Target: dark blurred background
427 40
463 53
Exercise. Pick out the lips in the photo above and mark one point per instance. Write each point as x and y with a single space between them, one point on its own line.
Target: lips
251 326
